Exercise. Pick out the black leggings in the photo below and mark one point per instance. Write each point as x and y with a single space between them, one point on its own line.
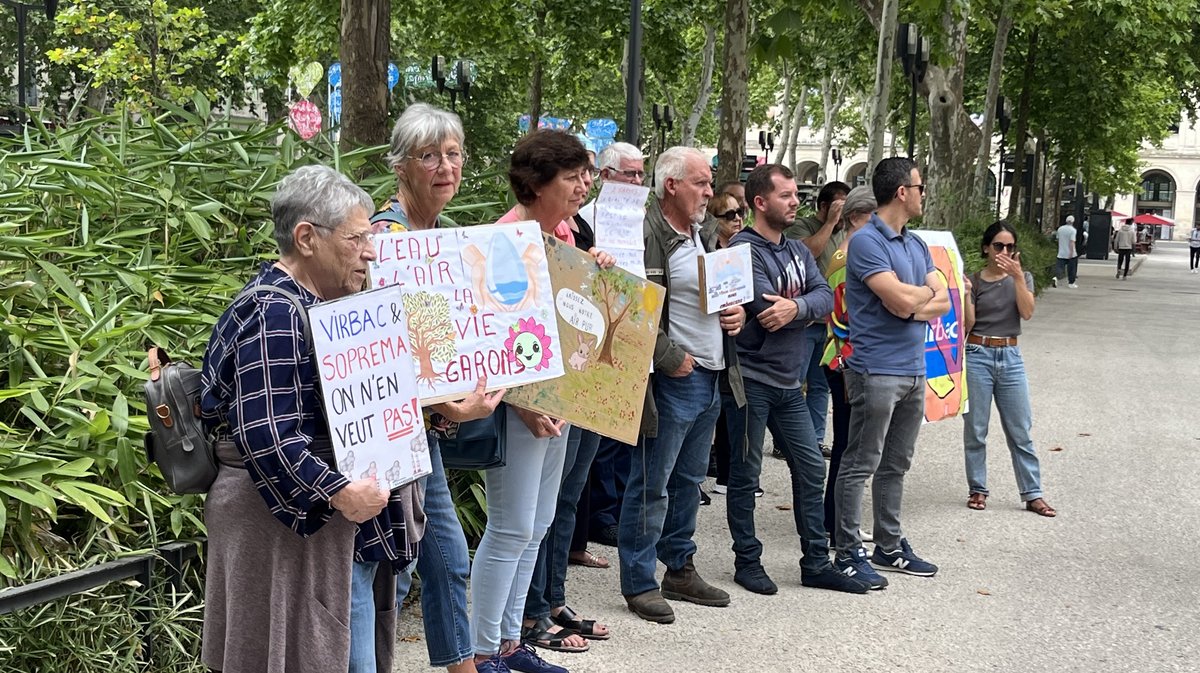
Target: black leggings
841 437
1123 257
1195 258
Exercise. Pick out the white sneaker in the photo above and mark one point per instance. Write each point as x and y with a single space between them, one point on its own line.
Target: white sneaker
865 536
1072 286
720 489
1054 282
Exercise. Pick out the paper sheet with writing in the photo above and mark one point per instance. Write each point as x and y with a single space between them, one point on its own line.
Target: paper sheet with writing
369 387
618 220
479 302
727 278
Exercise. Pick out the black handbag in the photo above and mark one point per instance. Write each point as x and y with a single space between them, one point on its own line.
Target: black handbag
475 445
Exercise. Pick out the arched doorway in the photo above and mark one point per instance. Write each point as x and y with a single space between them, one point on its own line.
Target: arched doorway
1157 196
856 175
806 172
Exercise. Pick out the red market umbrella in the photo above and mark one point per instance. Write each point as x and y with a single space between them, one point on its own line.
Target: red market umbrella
1151 218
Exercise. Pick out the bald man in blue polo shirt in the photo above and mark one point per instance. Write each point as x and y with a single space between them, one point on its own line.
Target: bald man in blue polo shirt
892 289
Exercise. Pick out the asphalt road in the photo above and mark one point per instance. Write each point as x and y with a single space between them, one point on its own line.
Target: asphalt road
1114 369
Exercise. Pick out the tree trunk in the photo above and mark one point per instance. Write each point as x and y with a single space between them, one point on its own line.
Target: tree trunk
705 91
983 160
794 136
833 96
953 137
787 117
883 83
365 39
735 92
1014 198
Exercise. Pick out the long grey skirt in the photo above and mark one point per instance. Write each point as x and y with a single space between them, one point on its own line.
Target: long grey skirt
275 602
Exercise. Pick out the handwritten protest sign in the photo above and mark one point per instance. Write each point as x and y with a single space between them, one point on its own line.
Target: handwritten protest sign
479 303
727 276
609 320
369 389
945 377
617 217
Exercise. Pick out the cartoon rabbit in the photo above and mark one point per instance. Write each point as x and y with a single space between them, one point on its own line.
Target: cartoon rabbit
579 359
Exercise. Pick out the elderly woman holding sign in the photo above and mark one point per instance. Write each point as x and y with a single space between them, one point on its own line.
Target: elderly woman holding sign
427 157
550 176
281 519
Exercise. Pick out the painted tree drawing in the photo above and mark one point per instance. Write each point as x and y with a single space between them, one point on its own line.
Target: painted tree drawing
430 332
617 292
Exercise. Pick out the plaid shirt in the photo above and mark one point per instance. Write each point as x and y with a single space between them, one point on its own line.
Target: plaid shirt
260 381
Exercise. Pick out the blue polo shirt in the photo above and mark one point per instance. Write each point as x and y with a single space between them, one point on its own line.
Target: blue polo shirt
883 343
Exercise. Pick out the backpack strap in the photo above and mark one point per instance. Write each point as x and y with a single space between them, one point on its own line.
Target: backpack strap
158 358
301 310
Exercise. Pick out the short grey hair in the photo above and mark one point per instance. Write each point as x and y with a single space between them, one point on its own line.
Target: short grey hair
672 163
315 194
614 154
422 125
859 200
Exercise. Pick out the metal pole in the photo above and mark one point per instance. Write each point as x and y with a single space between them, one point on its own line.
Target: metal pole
912 116
21 82
633 102
1000 177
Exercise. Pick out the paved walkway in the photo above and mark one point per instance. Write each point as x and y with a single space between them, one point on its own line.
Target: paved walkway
1110 585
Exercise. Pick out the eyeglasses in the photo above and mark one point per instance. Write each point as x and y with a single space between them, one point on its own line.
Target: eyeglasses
430 161
363 239
731 215
919 188
1004 247
632 175
593 171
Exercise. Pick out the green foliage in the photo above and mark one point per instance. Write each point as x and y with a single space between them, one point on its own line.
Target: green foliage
1037 251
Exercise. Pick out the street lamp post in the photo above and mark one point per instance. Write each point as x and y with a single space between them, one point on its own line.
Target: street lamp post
836 154
913 50
1004 120
633 78
22 11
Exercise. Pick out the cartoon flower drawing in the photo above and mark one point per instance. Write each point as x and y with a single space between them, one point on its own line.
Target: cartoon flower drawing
528 345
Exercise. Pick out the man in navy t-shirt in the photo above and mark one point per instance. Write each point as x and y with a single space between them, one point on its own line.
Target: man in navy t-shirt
892 290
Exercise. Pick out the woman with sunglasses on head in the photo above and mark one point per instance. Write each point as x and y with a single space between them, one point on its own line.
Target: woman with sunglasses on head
999 297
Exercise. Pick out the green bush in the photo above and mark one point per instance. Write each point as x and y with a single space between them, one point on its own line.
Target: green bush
1037 252
115 234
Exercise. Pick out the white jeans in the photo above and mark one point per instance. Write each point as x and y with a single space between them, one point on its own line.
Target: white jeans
521 498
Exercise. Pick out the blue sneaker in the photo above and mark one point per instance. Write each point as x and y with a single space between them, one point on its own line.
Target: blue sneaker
854 564
494 665
526 660
903 560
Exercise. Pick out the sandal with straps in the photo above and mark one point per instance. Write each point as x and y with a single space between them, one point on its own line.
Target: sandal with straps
1042 508
587 559
539 635
584 627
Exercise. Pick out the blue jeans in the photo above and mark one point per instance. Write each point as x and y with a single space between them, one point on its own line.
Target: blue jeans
610 476
817 396
548 589
747 426
999 374
658 516
444 566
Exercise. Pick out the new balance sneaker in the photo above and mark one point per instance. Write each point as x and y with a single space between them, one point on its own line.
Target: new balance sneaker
830 578
902 560
526 660
493 665
854 564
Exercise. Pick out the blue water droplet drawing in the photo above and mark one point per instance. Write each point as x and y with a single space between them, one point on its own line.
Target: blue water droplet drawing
507 278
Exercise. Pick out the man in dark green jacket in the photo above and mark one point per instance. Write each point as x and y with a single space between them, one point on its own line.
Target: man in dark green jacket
694 356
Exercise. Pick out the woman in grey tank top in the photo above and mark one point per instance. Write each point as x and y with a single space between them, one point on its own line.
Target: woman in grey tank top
999 297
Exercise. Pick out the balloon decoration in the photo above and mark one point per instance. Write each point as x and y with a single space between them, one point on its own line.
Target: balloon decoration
305 78
303 116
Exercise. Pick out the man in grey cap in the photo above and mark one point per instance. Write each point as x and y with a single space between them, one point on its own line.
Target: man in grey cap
1067 256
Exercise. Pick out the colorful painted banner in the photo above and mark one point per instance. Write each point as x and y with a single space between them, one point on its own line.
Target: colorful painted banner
945 376
369 389
479 303
608 319
727 277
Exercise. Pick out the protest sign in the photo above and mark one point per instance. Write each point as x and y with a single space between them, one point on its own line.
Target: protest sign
618 217
608 319
479 303
368 387
945 376
727 278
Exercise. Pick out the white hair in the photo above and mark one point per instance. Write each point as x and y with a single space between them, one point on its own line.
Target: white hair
614 154
315 194
673 163
422 125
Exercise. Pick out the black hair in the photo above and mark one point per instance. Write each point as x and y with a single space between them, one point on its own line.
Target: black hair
889 175
830 192
759 182
991 232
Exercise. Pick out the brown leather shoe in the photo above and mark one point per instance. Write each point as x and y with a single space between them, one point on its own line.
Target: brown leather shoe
686 584
650 606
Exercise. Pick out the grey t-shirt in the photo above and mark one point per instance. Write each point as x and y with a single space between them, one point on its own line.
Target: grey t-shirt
996 305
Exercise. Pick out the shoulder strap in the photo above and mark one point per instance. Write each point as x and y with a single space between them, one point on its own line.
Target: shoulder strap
301 310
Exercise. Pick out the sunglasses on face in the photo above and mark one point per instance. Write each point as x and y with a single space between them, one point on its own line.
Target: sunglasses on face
1010 248
919 188
731 215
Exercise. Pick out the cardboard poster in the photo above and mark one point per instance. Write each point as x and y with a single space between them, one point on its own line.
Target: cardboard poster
618 220
479 302
727 278
369 389
945 373
608 320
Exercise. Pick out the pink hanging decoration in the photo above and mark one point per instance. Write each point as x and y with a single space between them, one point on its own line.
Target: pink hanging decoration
305 119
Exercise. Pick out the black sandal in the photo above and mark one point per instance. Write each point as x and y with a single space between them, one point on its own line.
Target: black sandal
584 627
539 635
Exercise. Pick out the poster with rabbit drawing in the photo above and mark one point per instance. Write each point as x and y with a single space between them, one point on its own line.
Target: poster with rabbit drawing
608 322
479 303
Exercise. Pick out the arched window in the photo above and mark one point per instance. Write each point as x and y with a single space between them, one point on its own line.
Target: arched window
856 175
806 173
1157 194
